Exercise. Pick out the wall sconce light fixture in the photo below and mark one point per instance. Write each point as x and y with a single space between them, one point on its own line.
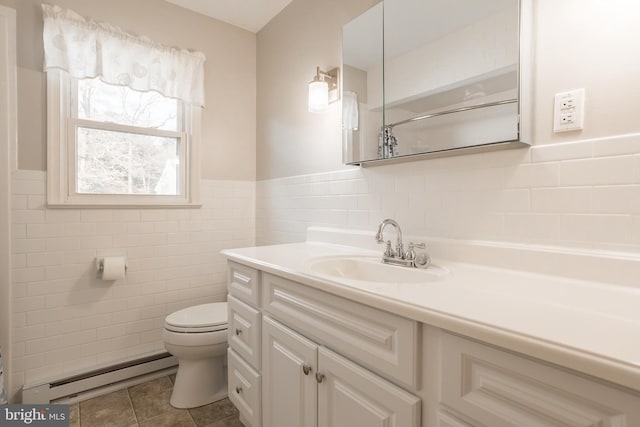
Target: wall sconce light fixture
323 90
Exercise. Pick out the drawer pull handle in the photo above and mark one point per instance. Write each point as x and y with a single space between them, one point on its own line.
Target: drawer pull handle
319 377
238 331
306 369
238 389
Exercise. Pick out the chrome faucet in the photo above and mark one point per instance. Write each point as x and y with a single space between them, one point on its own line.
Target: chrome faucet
387 143
399 256
399 246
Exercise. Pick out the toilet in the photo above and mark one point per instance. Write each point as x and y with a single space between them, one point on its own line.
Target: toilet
197 337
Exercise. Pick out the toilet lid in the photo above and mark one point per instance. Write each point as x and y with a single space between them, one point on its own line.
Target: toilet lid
199 318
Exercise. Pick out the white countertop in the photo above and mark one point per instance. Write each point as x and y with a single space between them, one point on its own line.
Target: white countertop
587 326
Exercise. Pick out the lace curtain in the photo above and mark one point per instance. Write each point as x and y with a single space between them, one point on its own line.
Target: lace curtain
89 49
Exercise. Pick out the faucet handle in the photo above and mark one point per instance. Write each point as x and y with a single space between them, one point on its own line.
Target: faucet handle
388 252
411 254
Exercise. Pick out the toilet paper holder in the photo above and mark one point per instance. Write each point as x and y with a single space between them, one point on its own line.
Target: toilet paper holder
100 265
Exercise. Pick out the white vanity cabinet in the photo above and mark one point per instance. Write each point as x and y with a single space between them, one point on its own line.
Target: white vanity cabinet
302 357
307 385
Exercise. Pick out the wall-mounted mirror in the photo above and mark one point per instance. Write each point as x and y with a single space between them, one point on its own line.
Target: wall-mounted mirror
448 76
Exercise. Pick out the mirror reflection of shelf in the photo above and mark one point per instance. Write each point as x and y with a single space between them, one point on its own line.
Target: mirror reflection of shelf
501 82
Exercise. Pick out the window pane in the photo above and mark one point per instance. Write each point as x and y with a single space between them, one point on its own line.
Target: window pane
108 103
110 162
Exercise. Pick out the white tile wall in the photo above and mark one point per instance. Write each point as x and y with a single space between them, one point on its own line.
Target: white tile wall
583 194
65 319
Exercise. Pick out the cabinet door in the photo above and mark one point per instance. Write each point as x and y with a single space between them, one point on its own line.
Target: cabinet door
351 396
288 370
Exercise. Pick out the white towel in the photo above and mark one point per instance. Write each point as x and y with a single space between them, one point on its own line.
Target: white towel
350 110
3 390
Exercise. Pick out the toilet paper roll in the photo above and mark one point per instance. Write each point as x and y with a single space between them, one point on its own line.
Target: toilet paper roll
113 268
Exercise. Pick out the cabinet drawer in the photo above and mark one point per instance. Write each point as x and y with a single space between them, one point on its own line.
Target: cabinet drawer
244 330
244 283
381 341
499 389
244 389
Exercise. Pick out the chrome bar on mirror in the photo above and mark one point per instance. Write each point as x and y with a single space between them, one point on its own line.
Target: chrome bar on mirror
455 110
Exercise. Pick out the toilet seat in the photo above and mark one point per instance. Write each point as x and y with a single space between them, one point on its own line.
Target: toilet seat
198 319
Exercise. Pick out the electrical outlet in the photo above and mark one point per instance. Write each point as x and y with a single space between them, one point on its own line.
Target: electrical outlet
567 118
567 103
568 111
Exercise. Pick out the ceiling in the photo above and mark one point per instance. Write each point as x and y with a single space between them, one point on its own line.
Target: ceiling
251 15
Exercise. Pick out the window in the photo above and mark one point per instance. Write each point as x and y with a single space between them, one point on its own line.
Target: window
127 142
130 137
111 145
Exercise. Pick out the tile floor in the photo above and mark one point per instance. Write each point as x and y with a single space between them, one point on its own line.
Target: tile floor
146 405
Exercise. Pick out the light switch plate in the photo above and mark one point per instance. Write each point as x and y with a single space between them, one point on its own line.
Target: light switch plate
568 112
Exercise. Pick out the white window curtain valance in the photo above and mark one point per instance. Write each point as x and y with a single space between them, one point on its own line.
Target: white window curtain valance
90 49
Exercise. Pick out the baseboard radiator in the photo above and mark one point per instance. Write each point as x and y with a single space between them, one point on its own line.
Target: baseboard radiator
101 380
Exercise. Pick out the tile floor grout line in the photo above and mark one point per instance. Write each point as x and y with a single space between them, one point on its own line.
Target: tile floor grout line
132 408
192 419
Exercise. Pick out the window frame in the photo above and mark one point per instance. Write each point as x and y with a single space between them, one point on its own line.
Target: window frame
62 124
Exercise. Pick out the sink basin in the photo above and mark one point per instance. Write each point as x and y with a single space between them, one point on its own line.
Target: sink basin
371 269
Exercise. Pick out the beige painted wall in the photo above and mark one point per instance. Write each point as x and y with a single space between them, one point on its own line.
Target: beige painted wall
579 44
229 119
306 34
589 44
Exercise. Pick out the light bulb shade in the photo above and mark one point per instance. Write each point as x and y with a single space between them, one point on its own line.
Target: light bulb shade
318 96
